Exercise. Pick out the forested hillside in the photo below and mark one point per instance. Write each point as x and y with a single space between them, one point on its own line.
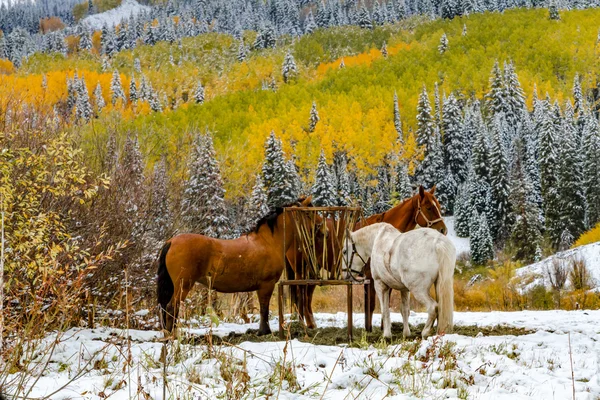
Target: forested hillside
176 119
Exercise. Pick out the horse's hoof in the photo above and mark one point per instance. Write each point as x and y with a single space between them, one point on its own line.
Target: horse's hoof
263 332
407 335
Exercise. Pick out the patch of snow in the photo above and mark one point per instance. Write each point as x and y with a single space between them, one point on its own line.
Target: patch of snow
536 274
92 363
462 244
114 16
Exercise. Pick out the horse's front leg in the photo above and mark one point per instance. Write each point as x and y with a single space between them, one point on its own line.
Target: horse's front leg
383 292
264 297
405 309
309 317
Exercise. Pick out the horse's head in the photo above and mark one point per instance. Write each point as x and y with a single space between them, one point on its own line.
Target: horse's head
428 214
320 222
353 259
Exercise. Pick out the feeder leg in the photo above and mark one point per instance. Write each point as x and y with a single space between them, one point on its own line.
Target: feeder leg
349 313
280 307
368 315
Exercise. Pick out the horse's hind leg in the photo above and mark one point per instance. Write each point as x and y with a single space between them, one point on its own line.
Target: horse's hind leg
405 309
431 305
264 297
383 292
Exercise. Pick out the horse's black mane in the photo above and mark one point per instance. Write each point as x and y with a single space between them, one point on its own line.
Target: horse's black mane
271 218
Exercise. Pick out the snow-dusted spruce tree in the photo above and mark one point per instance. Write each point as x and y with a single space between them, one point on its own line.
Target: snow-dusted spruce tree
105 64
289 70
496 97
571 179
85 41
403 187
425 126
525 235
122 40
384 51
341 178
480 196
514 97
309 23
276 174
242 51
397 120
443 46
437 104
133 95
116 89
432 169
314 117
154 101
383 196
482 247
464 31
579 107
498 168
137 66
83 106
71 93
203 200
462 211
566 240
98 98
257 206
199 93
553 13
591 168
455 144
323 190
130 175
364 19
111 157
159 210
548 162
108 41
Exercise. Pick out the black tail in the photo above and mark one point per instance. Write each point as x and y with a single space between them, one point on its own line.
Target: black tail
164 284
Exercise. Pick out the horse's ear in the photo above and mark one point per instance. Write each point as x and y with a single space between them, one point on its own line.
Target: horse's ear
307 201
432 191
421 191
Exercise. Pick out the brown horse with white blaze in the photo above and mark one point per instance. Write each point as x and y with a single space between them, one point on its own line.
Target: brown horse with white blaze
253 262
421 210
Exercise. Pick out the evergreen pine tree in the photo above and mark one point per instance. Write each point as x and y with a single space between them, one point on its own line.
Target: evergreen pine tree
553 11
548 162
242 52
571 180
425 126
482 247
289 69
431 171
462 211
130 175
159 210
309 23
443 46
382 191
499 187
403 187
341 178
496 98
98 98
133 95
116 89
85 41
83 106
591 168
314 117
275 173
397 121
323 190
364 19
257 206
526 228
203 202
514 96
464 31
384 51
137 66
455 143
199 93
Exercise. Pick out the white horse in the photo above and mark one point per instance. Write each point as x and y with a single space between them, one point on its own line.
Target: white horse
409 262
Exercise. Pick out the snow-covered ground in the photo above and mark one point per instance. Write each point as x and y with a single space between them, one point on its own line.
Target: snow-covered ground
532 366
536 274
462 244
114 16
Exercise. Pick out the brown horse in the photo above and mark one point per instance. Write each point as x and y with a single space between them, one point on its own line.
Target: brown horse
421 210
253 262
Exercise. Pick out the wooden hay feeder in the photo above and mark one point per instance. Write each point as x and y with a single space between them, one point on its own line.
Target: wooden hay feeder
318 261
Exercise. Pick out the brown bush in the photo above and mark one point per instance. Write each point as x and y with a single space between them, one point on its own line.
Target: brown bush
51 24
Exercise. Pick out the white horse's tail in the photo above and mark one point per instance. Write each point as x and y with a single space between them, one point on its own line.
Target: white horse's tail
444 285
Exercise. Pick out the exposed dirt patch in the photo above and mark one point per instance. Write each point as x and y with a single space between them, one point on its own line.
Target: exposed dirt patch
335 336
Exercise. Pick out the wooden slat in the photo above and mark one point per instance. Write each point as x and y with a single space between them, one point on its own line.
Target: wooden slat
321 282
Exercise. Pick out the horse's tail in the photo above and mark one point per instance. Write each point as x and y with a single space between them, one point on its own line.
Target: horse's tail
444 285
164 284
